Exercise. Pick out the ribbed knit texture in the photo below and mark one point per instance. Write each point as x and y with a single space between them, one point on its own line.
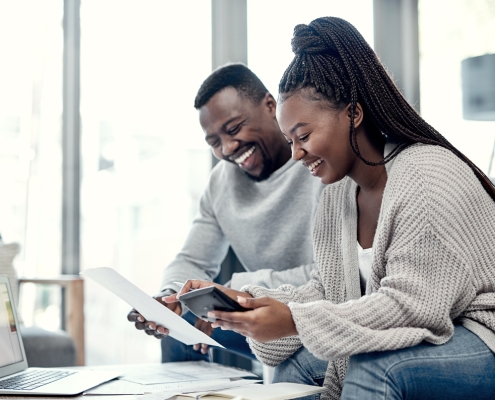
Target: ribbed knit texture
433 262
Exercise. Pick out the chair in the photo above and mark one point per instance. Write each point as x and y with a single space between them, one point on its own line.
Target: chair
50 348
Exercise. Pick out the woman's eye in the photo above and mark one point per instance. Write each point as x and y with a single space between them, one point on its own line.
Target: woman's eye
304 138
289 142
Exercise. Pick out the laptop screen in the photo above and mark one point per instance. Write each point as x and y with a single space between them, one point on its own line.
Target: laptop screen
10 348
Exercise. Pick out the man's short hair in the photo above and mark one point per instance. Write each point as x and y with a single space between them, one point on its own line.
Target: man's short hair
235 75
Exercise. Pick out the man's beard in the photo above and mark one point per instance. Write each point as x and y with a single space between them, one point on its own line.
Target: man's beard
267 170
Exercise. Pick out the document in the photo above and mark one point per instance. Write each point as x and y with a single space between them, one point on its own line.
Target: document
273 391
196 387
184 371
148 307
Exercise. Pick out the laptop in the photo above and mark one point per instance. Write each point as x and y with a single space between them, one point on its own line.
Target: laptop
17 378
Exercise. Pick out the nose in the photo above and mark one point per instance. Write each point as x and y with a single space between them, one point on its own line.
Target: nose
297 152
229 146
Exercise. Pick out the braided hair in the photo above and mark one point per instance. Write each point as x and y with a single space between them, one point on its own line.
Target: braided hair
333 60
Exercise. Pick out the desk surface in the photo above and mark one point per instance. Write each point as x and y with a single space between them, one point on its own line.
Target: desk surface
169 374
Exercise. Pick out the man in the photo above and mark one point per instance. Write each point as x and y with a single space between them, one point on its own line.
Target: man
258 201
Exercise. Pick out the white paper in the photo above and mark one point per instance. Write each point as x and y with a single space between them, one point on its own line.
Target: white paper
148 307
210 386
182 372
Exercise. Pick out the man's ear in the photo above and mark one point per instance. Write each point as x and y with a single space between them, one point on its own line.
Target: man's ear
271 104
358 114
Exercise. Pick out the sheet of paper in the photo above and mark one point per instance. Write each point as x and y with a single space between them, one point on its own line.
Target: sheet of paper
119 387
209 386
178 328
273 391
182 372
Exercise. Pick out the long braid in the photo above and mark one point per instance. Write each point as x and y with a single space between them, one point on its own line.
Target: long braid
332 57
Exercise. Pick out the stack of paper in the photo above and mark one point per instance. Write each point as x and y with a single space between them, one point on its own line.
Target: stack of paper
274 391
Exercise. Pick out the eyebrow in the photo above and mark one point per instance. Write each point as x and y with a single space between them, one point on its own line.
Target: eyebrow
297 126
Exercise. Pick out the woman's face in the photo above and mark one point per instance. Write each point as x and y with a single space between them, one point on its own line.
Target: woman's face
319 137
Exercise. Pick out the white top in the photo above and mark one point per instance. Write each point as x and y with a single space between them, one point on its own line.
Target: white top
364 260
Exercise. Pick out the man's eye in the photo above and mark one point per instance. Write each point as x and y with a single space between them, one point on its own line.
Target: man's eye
234 130
214 144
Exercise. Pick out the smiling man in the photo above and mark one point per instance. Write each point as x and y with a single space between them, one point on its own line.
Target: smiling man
258 201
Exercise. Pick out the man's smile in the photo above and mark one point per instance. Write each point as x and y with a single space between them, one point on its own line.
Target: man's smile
244 156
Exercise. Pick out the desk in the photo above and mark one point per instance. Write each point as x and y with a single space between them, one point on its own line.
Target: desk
151 378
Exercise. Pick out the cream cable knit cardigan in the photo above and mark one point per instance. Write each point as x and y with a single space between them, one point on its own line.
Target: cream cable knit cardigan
433 261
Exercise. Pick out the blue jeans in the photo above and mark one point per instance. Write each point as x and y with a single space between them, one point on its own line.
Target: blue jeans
302 367
173 350
462 368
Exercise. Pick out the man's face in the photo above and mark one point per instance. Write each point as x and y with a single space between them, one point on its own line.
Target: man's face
243 133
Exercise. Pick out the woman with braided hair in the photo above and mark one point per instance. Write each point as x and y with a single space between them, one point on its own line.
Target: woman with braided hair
401 304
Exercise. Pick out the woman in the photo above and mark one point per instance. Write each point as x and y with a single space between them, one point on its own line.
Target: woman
404 240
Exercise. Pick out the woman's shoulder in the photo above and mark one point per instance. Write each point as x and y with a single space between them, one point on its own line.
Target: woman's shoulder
431 162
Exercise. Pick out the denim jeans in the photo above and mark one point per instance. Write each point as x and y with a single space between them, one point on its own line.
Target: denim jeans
462 368
173 350
302 367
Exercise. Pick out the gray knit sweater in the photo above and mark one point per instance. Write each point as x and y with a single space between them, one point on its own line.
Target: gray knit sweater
433 262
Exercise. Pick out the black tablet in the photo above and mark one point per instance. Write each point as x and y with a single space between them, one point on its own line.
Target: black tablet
201 301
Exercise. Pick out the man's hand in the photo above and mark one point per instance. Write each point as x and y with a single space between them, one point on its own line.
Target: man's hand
269 320
197 284
150 327
204 326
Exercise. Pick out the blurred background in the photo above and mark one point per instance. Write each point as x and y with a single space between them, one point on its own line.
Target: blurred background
143 163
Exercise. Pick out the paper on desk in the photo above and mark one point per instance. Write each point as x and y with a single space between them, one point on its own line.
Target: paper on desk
121 387
219 384
184 371
148 307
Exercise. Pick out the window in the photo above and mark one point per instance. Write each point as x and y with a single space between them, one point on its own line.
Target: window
451 31
31 45
271 26
145 162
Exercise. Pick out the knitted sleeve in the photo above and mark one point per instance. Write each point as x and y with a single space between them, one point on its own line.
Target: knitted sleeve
421 273
274 352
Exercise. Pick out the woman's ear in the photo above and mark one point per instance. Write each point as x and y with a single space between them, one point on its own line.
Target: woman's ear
358 114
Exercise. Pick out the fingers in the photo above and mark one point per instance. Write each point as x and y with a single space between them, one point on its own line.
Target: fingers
170 299
250 302
151 329
196 284
134 316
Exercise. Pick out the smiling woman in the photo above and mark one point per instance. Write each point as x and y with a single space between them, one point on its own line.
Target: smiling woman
397 189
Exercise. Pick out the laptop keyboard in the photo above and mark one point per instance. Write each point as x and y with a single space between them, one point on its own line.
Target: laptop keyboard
30 380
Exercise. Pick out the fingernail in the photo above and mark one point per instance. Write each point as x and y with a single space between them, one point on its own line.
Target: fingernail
241 300
214 325
140 319
196 347
211 314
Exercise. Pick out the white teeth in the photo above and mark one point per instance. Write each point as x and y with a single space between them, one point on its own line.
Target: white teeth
312 166
242 157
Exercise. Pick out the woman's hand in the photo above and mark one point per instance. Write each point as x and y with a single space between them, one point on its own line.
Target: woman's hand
192 284
269 320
